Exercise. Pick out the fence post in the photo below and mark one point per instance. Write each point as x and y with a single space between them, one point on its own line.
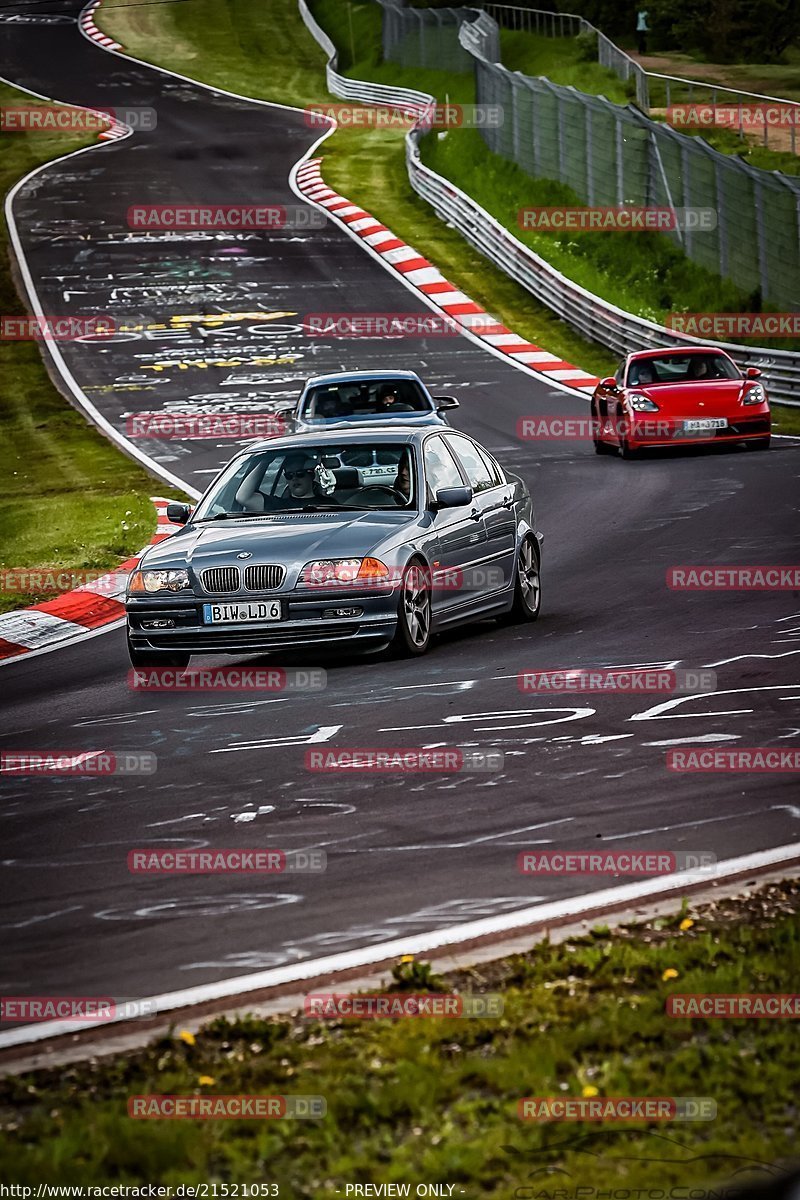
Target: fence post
722 223
664 180
537 147
687 194
515 117
643 91
763 273
589 157
619 164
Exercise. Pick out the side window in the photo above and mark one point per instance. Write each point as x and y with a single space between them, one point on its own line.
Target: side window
473 462
495 469
440 468
620 375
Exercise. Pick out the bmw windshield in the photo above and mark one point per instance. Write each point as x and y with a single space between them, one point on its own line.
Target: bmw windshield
365 400
307 479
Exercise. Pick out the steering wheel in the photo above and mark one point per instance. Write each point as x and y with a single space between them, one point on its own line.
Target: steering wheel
384 487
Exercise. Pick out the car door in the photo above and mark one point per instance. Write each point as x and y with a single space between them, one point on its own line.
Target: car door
495 500
460 532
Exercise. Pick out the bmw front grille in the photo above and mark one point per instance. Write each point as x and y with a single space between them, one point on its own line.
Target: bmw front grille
221 580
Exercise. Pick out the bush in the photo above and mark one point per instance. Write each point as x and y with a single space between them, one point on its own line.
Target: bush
586 43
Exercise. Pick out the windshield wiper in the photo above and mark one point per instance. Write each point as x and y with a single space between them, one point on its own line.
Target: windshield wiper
225 516
371 508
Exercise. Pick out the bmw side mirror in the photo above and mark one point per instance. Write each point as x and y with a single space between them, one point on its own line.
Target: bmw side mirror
178 514
753 373
453 497
443 402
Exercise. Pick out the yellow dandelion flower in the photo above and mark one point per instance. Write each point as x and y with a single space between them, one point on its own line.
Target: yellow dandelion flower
405 958
686 923
187 1036
670 973
590 1091
206 1080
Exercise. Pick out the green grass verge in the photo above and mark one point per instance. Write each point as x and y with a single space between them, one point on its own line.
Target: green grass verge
640 272
256 49
435 1100
70 499
561 60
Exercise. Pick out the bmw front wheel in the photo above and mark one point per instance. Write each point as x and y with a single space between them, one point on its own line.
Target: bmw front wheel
413 634
527 583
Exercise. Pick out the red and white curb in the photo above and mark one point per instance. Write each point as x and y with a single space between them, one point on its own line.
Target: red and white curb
81 611
86 21
427 279
116 130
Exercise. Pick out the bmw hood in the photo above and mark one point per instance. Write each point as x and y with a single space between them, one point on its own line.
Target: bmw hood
292 538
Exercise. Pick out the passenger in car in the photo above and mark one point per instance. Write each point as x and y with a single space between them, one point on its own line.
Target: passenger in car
402 481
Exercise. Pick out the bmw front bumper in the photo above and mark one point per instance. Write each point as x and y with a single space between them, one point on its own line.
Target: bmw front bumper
175 624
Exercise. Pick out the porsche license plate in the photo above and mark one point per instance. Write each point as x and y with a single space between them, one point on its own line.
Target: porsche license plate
236 614
700 424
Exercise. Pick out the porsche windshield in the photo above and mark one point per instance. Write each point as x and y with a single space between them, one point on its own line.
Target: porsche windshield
680 368
302 478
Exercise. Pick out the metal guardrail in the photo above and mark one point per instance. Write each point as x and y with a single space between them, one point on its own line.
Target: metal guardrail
619 331
358 89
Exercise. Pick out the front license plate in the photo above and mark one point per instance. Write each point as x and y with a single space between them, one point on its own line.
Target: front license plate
227 614
703 423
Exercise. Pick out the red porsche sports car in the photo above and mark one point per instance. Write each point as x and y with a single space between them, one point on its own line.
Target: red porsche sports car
676 397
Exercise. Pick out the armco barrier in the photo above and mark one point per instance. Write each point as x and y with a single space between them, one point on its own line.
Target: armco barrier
356 89
604 323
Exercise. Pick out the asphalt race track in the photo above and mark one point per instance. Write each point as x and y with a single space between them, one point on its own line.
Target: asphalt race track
406 854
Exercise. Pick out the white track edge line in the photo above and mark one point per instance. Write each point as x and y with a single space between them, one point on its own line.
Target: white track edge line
441 939
82 400
62 643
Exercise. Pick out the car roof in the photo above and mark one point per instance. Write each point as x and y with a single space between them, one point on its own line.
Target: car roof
345 376
347 436
667 351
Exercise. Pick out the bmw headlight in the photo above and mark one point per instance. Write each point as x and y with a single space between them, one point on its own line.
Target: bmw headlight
641 403
336 571
754 395
152 582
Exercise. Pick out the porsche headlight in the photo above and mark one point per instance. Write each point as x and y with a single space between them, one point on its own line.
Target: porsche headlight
641 403
151 582
754 395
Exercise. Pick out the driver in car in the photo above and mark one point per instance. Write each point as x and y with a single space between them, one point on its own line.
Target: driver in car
389 401
307 479
298 470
